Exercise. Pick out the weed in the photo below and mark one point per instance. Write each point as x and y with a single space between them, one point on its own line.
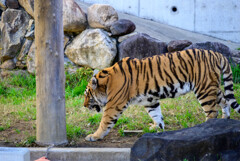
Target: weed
2 89
17 131
122 121
238 48
121 132
236 73
27 81
16 88
2 128
149 130
30 140
75 101
78 81
95 119
27 142
74 131
186 119
79 90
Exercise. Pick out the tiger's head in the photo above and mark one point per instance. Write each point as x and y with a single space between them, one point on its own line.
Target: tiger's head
95 96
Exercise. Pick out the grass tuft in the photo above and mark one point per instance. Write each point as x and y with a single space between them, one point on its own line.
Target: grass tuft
76 83
122 121
2 128
74 131
95 119
236 73
27 142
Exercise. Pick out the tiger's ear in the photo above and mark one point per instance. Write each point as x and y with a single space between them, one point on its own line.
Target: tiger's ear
94 83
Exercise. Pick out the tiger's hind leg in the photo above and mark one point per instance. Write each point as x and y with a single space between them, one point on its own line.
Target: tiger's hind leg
155 113
208 99
206 92
221 101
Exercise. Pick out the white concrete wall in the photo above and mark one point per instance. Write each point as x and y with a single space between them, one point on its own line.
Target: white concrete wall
218 18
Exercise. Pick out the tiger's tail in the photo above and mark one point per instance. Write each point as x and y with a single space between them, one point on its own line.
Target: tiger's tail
228 85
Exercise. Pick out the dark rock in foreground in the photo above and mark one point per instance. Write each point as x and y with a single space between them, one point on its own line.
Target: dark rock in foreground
216 139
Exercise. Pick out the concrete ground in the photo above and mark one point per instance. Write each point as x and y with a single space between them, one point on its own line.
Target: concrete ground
82 154
164 32
65 154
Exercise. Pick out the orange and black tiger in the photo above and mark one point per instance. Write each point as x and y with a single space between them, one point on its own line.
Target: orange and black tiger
145 81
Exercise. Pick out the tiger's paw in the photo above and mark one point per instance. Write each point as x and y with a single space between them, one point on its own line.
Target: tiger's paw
92 137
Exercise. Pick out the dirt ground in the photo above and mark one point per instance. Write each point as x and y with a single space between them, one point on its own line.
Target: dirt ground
12 138
113 139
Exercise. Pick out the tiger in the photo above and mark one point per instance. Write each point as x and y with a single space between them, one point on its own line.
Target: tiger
146 81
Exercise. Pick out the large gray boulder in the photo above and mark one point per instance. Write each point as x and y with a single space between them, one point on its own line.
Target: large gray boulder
28 5
216 139
141 46
92 48
15 23
101 16
214 46
74 19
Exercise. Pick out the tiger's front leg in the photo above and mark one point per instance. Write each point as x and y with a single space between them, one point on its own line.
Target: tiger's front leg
155 113
109 119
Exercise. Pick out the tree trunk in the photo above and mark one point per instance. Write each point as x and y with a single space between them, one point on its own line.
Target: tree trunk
50 76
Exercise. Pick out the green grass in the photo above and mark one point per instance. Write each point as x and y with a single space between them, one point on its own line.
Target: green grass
28 141
95 119
236 73
76 83
18 99
2 128
74 131
122 121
